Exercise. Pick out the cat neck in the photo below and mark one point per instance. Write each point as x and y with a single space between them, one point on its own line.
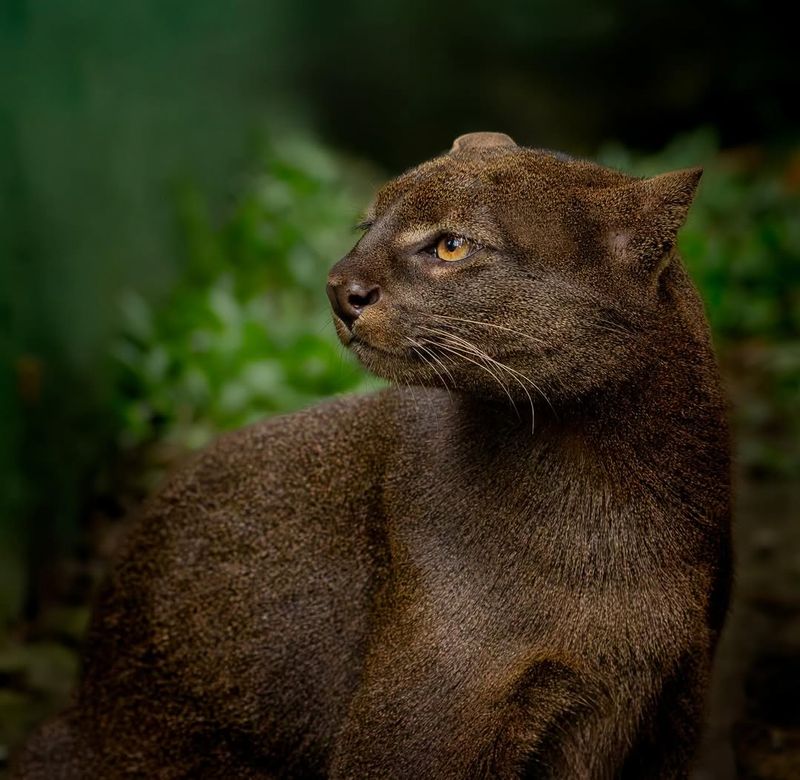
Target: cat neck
664 424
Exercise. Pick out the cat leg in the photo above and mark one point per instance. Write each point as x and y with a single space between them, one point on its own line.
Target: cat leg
428 715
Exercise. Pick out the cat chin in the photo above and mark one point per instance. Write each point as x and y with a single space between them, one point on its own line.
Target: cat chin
400 366
374 358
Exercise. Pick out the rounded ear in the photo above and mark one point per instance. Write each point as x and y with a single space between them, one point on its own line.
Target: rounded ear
471 141
649 214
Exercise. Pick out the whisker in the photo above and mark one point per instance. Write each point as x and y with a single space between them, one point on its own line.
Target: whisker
435 358
415 348
474 349
610 327
426 361
519 333
463 353
481 355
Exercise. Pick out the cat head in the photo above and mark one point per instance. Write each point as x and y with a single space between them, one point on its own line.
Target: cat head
504 271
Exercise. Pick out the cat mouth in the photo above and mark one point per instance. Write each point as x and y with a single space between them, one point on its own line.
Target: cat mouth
353 337
389 362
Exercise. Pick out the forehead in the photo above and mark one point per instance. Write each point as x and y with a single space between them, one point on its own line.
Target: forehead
478 180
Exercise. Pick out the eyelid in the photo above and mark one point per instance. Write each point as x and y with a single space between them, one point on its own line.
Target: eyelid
436 237
452 234
426 242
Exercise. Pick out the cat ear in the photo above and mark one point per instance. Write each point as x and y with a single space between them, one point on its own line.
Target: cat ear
472 141
653 212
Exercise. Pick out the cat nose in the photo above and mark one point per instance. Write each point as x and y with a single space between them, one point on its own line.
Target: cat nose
349 299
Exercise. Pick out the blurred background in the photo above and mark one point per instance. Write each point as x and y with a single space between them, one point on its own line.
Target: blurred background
176 178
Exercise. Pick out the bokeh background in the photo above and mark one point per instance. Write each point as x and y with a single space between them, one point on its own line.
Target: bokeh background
176 176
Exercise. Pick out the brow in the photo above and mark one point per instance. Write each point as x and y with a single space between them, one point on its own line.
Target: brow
417 233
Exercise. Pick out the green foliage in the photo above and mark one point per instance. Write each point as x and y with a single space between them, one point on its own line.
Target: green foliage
247 330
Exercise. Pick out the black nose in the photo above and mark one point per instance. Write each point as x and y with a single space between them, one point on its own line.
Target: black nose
349 299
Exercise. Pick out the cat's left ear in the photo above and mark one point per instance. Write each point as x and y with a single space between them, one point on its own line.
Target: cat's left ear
479 141
653 210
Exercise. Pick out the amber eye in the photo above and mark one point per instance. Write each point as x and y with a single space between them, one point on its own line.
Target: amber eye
452 248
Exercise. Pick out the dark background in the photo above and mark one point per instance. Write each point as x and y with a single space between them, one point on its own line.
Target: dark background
176 177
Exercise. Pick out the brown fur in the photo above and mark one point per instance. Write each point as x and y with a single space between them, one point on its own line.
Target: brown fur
504 571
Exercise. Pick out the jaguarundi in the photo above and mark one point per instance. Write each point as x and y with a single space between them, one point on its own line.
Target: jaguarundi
515 562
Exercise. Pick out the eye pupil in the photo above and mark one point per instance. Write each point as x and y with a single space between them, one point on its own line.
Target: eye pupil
453 243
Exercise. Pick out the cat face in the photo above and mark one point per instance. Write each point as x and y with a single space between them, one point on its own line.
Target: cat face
509 272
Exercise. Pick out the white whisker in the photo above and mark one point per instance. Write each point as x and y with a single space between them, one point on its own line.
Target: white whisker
463 353
472 349
526 336
519 333
416 347
503 367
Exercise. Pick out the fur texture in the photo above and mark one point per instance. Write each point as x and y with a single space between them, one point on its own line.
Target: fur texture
517 567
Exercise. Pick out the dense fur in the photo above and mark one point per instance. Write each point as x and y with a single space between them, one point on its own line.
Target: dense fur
517 567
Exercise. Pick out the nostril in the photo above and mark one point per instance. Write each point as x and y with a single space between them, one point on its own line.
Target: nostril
359 299
350 299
